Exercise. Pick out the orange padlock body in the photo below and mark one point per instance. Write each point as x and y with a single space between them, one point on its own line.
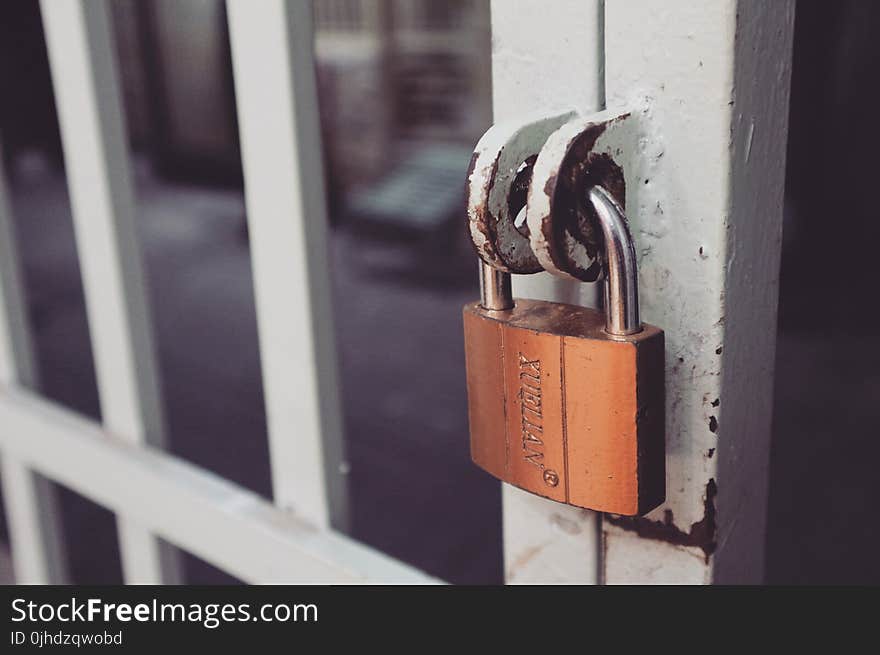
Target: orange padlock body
560 408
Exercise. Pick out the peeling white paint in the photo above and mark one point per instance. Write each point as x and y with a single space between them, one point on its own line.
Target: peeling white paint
634 560
496 161
713 294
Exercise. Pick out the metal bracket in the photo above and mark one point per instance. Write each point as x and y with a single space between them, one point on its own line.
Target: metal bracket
500 165
557 159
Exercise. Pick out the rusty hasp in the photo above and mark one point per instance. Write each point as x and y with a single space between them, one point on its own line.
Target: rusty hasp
497 184
562 225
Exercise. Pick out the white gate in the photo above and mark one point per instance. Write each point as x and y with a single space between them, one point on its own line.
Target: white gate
712 78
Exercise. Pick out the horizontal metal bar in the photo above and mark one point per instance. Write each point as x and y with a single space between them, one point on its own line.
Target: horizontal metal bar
214 519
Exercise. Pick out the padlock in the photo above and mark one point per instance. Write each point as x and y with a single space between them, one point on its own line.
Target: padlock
568 402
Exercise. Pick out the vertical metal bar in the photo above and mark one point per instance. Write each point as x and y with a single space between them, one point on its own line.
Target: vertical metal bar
38 553
35 529
713 79
17 363
287 219
544 59
87 96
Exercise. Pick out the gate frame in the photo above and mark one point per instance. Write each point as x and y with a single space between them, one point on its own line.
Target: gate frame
712 81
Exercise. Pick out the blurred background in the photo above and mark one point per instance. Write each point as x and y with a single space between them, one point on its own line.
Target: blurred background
404 89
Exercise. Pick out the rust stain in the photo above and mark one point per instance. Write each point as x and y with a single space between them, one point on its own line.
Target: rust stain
504 250
484 252
479 217
572 217
701 534
525 557
566 525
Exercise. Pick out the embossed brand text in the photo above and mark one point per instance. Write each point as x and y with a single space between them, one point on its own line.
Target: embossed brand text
530 410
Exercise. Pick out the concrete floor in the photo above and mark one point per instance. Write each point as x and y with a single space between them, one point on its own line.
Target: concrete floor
414 493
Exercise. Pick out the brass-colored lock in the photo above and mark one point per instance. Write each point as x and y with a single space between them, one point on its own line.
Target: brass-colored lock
564 401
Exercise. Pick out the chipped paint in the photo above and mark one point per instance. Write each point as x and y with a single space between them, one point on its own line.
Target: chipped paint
497 161
709 278
581 154
701 534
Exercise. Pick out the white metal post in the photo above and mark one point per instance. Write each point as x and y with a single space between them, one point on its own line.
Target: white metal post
545 57
87 96
712 80
287 219
32 514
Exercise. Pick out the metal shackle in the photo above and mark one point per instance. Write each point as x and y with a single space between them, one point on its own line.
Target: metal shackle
621 267
496 292
621 271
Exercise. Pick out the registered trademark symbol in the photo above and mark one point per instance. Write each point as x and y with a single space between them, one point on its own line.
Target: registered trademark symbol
551 477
